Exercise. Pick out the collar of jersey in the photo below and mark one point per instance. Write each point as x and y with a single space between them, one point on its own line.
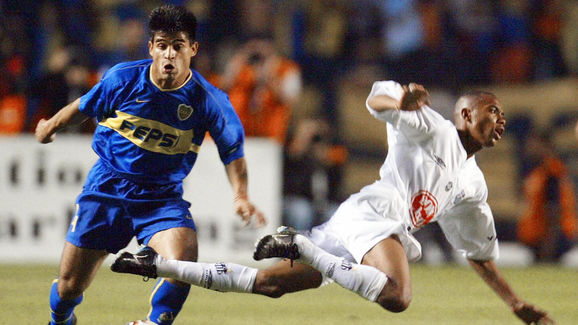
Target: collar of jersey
170 89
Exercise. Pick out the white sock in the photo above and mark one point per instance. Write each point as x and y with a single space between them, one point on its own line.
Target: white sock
225 277
365 280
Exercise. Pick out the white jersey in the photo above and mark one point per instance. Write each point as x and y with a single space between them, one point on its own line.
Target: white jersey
426 177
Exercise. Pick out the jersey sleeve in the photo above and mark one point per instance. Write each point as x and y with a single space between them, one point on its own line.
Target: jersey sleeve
226 129
97 101
470 229
412 123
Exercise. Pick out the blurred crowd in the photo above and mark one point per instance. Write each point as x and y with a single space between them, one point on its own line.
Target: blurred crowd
267 53
52 51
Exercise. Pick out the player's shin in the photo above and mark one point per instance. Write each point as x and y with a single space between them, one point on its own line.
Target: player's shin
226 277
365 280
167 300
61 311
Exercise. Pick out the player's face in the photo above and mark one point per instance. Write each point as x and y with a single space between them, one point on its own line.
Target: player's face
172 55
488 121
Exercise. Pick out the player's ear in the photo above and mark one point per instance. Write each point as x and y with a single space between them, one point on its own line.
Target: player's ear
466 114
150 48
194 48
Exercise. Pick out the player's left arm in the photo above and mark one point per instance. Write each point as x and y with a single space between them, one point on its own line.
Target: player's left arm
528 313
237 174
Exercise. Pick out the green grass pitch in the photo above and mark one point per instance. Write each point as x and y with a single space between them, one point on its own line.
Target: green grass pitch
441 295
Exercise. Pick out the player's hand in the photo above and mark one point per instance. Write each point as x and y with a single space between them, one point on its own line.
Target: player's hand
42 132
414 97
247 211
532 315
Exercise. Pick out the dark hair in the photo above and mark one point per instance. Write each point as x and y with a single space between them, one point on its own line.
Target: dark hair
172 19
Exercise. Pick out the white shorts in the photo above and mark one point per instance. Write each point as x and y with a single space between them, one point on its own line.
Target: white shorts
362 221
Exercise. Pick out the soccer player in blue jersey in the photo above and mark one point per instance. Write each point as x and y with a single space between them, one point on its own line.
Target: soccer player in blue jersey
152 118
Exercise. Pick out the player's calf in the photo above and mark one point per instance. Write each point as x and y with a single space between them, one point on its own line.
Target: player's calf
283 278
365 280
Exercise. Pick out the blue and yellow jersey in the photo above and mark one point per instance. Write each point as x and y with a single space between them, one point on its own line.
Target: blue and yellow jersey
153 135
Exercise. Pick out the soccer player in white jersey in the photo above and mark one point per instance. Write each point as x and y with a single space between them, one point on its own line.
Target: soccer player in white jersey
430 174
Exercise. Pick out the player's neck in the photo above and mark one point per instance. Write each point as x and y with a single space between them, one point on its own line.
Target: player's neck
470 145
168 83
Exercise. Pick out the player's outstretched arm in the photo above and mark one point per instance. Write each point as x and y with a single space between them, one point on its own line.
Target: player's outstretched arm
68 115
237 173
413 98
528 313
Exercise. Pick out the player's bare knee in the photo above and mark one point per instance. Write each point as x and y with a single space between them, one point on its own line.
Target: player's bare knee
395 304
395 298
70 288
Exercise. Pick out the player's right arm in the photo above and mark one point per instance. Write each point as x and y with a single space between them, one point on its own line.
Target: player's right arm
413 97
68 115
528 313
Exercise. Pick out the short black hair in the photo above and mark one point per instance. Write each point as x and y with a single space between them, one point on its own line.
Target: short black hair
477 93
172 19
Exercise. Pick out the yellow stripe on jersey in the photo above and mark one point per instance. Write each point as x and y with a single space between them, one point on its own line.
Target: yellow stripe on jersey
152 135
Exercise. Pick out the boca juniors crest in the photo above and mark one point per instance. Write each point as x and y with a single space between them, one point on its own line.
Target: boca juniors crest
184 112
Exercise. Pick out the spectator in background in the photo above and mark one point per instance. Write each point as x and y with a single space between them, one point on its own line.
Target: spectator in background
548 61
402 39
255 17
262 85
205 65
569 41
513 61
475 28
548 222
127 19
319 44
67 77
312 174
12 99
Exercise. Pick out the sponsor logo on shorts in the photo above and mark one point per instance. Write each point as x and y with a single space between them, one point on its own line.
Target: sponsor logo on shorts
221 268
208 279
330 270
346 265
423 209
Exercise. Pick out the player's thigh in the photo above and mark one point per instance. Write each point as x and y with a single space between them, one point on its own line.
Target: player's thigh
389 257
78 266
178 243
283 278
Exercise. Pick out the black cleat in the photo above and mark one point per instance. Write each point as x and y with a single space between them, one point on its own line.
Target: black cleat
141 263
278 245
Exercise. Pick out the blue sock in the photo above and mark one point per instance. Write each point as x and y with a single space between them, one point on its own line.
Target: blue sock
61 310
167 300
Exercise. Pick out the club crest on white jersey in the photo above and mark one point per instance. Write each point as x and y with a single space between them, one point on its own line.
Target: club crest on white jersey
423 209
